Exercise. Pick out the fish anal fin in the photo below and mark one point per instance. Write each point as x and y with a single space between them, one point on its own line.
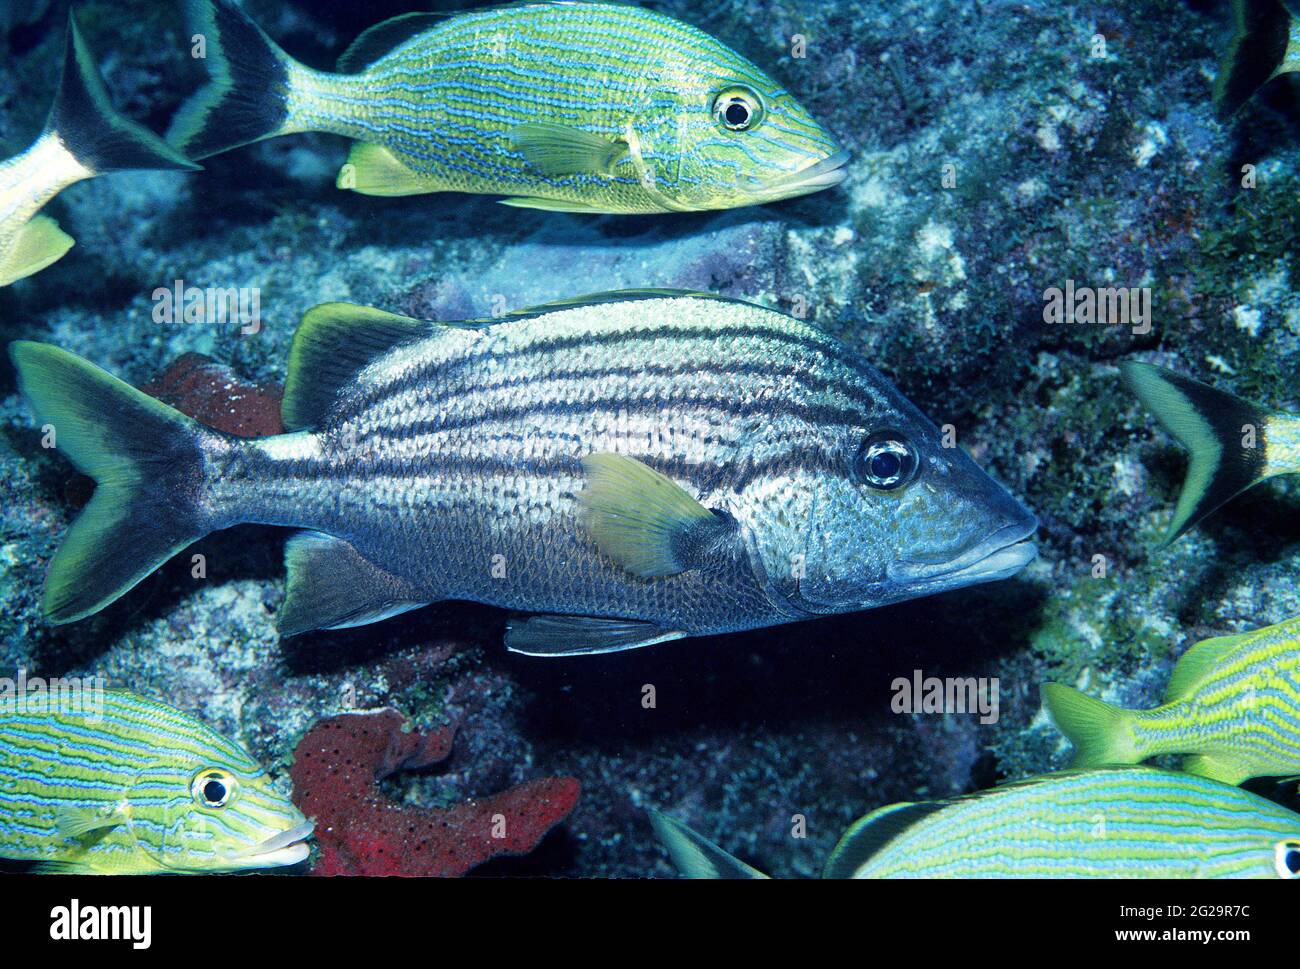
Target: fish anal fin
40 243
646 522
331 585
1217 767
552 205
582 635
333 343
868 835
373 169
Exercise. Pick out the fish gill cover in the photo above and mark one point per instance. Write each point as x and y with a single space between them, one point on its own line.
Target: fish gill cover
1035 192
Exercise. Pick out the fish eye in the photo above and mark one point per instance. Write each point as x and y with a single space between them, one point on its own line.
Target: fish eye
886 461
1287 859
738 108
212 788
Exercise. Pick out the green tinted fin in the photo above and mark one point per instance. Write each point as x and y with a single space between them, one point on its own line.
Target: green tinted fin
1256 54
1100 732
39 243
868 835
1217 767
1214 427
247 94
374 170
75 823
552 205
385 37
148 464
1198 663
100 138
330 585
557 150
333 343
695 856
644 520
582 635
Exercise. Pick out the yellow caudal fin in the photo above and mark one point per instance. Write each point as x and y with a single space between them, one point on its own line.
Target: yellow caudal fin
374 170
1260 50
1224 435
40 242
1100 732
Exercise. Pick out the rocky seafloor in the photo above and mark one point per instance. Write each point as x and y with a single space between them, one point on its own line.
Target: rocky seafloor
1110 170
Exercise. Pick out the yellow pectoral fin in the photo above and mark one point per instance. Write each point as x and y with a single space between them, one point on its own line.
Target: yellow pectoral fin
557 150
40 242
375 170
76 822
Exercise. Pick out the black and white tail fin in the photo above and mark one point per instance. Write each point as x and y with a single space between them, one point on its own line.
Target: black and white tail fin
1225 435
92 130
1257 53
147 462
246 97
695 856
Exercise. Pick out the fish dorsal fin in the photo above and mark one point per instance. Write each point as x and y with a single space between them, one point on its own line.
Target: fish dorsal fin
626 296
1198 663
694 855
333 343
375 42
868 835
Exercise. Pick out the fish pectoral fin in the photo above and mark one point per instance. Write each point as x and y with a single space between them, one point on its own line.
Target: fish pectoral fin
694 855
75 823
1217 767
374 170
646 522
557 150
333 343
331 585
40 243
582 635
868 835
552 205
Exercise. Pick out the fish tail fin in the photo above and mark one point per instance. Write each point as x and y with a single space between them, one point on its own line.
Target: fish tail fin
1256 54
695 856
1225 435
1100 732
148 464
246 98
88 125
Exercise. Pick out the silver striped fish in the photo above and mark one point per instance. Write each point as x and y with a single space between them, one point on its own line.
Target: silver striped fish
637 467
132 786
575 107
1129 822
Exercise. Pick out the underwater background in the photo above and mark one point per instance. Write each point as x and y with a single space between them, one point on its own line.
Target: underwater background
995 156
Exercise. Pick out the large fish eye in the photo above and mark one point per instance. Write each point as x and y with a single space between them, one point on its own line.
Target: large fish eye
886 461
738 108
1287 859
212 788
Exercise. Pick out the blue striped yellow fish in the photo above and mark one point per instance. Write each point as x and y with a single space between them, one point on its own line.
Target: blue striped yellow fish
637 467
83 137
1125 822
133 786
1233 706
575 107
1233 444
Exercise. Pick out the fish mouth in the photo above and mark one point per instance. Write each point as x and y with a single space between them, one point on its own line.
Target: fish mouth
1000 556
827 173
286 848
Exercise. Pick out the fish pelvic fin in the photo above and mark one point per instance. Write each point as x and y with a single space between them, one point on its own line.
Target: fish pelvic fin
1225 436
39 244
148 464
101 139
246 98
583 635
1257 53
695 856
1101 733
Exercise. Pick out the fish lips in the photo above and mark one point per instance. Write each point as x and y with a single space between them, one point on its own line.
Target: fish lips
823 174
289 847
1005 553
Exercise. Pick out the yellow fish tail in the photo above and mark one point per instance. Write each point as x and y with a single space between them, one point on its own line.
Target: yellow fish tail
1100 732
